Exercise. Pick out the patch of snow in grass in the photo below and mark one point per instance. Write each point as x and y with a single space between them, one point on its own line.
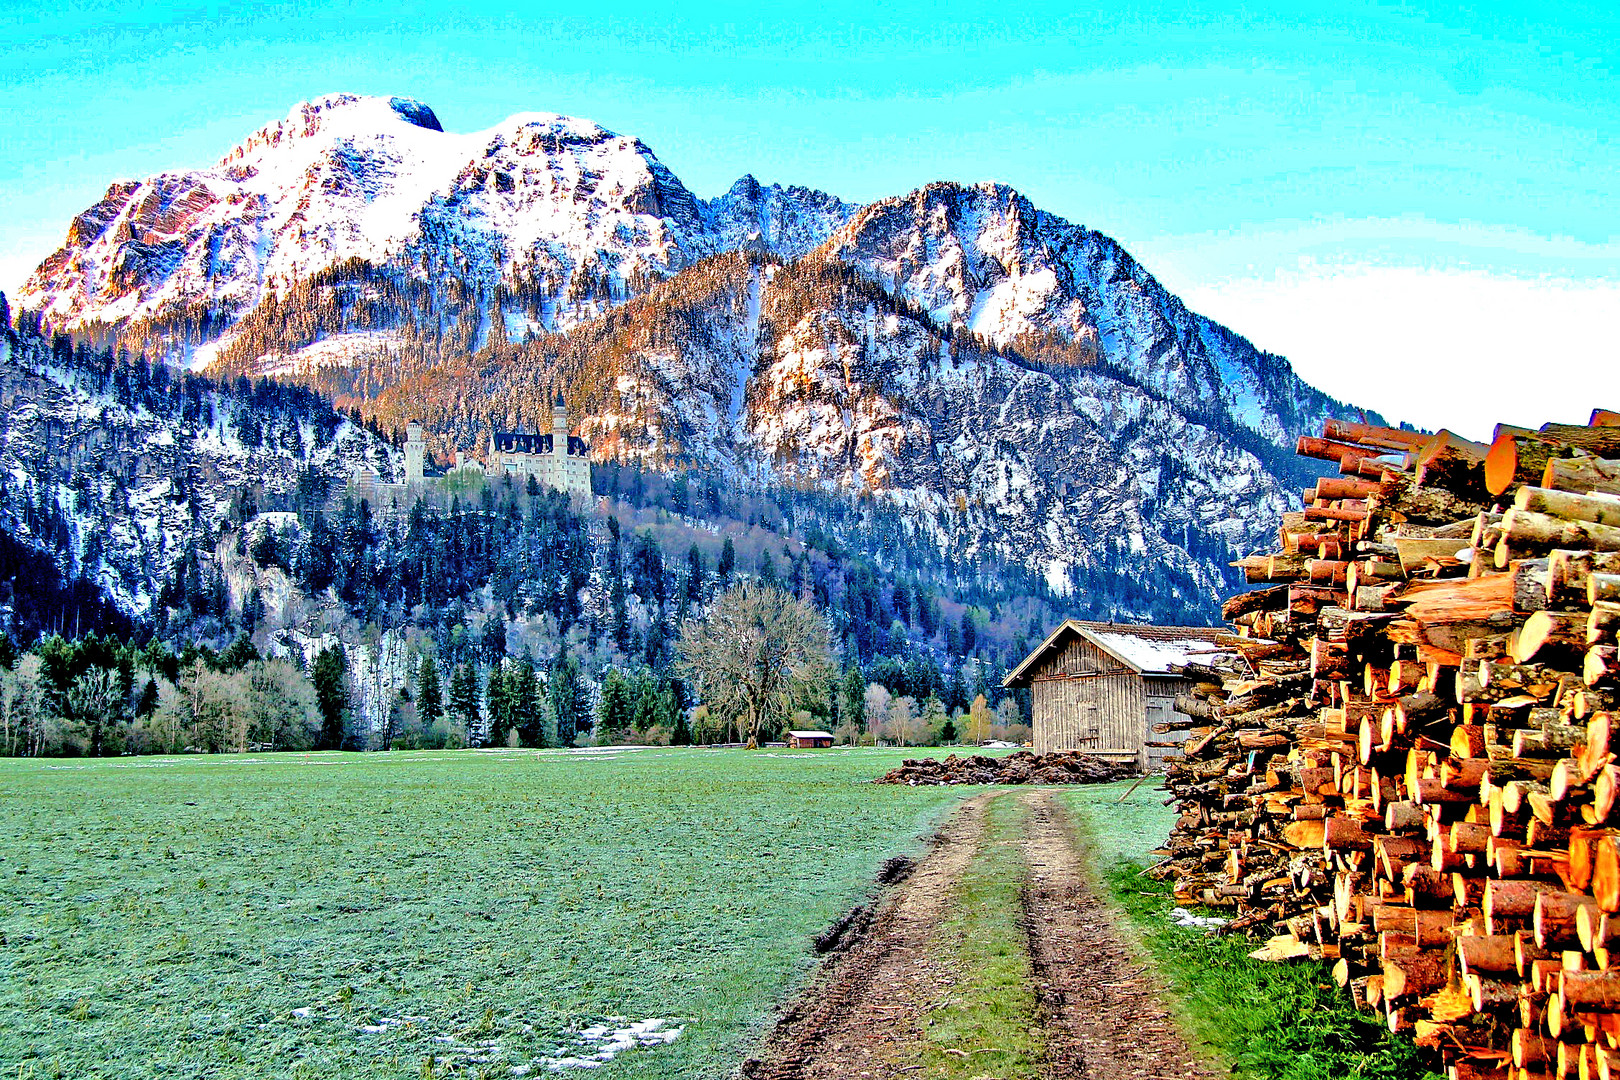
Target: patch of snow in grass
385 1023
601 1043
1182 917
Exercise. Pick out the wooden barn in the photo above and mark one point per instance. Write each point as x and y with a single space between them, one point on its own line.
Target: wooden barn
1100 687
809 740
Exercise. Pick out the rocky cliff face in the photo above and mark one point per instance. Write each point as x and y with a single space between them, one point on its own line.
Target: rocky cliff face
810 375
1019 384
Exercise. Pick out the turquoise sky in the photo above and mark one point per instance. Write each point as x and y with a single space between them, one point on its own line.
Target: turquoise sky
1250 159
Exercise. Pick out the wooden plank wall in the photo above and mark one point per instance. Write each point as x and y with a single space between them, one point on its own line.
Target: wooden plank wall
1105 716
1161 697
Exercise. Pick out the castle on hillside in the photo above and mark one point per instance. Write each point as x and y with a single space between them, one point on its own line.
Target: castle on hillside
369 487
556 459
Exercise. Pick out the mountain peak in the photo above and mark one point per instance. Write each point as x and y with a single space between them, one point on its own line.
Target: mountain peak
382 110
338 115
557 124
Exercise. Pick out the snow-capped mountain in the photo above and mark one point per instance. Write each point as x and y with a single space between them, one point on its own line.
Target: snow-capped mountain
983 258
578 211
1017 383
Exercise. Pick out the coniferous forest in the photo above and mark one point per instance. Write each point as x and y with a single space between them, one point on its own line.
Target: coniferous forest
275 608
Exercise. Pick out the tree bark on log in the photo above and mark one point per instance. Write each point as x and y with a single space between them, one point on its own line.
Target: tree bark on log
1518 458
1451 463
1601 509
1524 532
1584 475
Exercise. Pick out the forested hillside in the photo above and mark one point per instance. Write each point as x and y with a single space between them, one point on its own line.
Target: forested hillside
206 527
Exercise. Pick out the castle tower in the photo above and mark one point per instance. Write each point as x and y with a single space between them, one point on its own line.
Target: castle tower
414 451
559 432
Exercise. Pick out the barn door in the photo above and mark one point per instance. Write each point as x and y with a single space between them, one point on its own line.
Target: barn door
1088 724
1158 711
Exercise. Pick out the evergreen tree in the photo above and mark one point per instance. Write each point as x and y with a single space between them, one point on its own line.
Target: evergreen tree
498 704
728 563
331 679
935 721
238 654
494 639
695 574
647 569
528 710
981 679
670 713
767 567
956 691
621 612
566 697
649 705
922 676
464 697
852 696
615 712
147 703
429 694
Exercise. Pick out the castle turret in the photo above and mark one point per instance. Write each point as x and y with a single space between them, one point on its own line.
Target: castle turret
414 452
559 428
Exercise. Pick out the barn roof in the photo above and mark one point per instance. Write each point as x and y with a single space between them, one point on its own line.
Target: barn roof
811 734
1145 649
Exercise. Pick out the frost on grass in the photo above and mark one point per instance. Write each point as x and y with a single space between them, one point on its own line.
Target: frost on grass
385 1023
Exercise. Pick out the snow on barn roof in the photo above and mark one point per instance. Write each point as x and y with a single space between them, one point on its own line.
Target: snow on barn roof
1148 650
811 734
1153 655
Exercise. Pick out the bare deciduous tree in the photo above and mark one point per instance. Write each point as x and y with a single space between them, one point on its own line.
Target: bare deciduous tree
22 708
758 656
93 701
876 701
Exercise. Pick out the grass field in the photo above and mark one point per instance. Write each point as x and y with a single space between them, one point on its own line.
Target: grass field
415 914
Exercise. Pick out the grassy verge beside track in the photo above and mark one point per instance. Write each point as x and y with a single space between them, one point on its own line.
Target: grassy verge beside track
1268 1021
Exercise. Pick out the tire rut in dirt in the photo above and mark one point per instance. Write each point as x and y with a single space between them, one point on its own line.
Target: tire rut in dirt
1103 1013
860 1015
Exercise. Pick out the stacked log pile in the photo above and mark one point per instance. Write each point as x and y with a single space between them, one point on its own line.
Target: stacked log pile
1408 768
1020 767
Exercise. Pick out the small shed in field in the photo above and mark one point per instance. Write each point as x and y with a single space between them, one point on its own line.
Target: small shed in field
1100 687
806 740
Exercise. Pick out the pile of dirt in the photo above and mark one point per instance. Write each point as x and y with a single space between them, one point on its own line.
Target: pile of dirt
1023 767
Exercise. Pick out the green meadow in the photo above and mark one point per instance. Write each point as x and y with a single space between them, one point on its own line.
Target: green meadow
425 914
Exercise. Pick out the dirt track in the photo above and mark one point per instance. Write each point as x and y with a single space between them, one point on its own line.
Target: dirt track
1102 1013
859 1018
